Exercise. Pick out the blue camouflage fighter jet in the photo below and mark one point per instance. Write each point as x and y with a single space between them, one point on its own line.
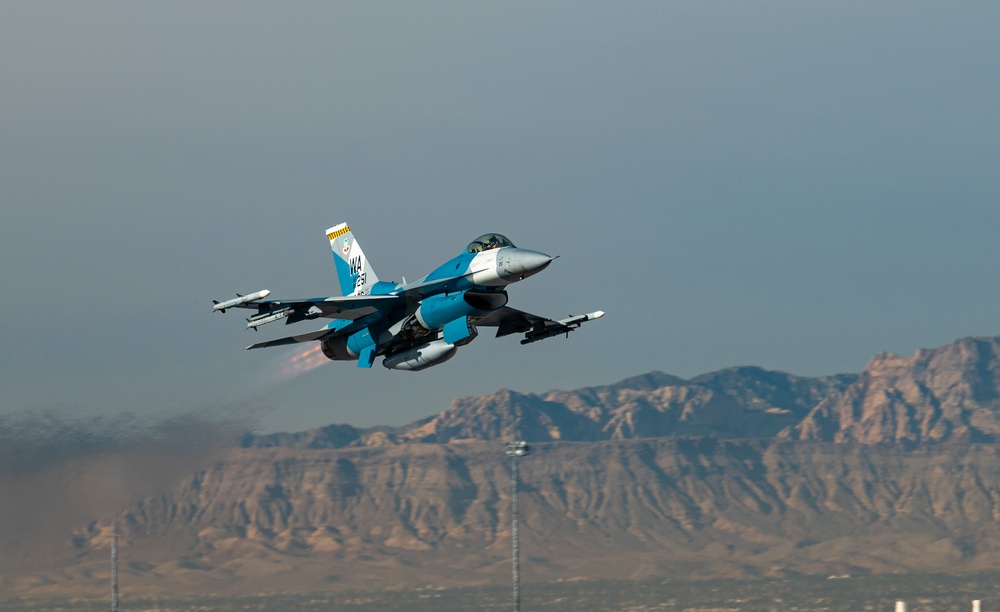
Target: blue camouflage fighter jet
413 325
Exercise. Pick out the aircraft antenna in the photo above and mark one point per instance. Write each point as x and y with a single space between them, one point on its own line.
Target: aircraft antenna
515 450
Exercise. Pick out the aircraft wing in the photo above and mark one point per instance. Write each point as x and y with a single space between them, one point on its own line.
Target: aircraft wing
345 307
512 321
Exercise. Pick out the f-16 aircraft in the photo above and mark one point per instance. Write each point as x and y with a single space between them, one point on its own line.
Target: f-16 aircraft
416 325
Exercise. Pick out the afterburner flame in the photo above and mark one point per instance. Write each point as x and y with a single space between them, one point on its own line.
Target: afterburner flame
301 361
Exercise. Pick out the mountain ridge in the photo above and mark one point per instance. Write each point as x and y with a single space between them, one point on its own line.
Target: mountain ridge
951 393
738 402
741 472
947 394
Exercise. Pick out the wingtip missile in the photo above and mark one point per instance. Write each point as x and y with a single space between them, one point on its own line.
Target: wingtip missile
578 319
240 300
561 327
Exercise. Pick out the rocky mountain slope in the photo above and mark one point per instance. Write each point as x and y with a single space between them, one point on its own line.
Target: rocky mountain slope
741 472
948 394
744 402
284 519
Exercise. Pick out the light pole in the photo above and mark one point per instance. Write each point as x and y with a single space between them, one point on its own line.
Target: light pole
515 450
114 565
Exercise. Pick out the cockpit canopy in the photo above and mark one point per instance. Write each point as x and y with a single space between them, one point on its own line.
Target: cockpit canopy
489 241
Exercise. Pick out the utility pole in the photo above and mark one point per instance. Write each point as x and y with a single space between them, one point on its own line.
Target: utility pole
114 566
515 450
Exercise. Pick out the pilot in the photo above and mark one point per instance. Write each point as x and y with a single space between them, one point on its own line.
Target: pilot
493 243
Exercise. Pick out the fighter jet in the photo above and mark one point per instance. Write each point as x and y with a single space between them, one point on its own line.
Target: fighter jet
416 325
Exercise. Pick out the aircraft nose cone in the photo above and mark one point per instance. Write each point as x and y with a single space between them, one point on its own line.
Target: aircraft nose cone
522 263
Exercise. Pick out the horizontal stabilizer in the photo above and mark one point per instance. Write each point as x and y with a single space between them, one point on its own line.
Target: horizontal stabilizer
311 336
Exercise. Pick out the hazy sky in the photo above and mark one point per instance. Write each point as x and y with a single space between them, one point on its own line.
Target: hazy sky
791 185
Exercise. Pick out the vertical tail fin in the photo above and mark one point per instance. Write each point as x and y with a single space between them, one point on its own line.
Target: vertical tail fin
353 270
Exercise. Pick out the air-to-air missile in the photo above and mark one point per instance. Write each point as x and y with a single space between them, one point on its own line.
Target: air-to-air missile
240 299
